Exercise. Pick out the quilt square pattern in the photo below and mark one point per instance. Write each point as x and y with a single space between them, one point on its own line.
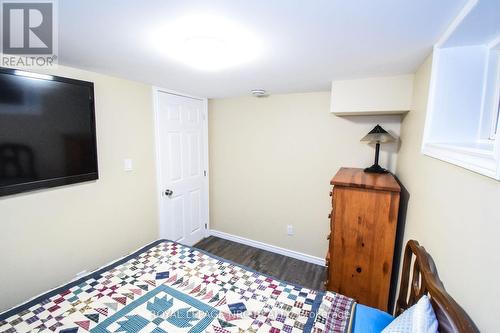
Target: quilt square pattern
167 287
161 310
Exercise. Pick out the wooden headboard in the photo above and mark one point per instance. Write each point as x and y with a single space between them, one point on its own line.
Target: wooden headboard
424 280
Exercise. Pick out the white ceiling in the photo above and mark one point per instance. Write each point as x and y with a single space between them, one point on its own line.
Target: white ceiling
306 43
480 26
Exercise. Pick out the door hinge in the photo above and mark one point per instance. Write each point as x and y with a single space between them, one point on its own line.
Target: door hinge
205 173
206 225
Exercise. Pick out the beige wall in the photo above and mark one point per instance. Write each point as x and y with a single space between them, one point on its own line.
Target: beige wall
454 213
271 160
50 235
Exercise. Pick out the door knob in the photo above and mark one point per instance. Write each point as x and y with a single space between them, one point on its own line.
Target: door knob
168 193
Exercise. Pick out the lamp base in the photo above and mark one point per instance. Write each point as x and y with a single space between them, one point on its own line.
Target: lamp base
376 169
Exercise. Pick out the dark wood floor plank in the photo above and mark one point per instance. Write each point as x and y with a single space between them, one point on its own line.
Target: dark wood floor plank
280 266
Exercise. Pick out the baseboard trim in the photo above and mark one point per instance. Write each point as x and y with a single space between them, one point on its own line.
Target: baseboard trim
269 247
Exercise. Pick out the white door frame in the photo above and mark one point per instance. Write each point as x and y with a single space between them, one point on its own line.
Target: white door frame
155 91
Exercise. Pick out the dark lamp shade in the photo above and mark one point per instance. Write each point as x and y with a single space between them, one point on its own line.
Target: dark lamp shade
378 135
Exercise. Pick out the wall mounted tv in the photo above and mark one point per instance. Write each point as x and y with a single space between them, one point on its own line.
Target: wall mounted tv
47 131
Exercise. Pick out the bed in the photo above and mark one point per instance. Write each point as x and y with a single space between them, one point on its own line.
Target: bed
168 287
419 277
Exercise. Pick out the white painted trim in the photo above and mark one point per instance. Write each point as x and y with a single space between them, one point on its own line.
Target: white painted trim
477 160
456 22
163 234
205 163
493 133
495 43
269 247
154 94
175 92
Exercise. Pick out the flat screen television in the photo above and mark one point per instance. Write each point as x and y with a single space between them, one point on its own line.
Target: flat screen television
47 131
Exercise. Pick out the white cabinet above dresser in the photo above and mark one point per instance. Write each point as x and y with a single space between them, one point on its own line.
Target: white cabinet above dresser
372 96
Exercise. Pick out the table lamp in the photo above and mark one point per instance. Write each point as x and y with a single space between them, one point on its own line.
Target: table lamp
377 136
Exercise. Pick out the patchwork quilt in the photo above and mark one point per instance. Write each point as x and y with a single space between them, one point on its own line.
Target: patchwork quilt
167 287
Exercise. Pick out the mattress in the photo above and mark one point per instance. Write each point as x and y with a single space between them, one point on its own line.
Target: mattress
168 287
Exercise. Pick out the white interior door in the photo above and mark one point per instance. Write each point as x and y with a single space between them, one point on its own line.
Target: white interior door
181 145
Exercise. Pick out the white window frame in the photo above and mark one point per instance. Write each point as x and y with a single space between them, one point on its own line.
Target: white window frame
496 112
480 154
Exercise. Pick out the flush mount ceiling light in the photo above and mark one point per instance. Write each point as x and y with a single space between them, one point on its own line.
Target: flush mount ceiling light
207 42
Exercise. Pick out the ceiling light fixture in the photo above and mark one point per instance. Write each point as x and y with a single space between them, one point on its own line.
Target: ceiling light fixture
206 42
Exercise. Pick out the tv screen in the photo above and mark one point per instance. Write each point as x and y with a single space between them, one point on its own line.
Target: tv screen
47 131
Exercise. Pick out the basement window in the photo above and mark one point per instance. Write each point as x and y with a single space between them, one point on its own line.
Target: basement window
462 123
494 126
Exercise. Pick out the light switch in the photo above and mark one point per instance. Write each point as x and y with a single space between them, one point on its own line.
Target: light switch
128 165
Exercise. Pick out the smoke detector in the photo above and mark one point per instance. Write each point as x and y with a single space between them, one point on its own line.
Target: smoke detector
259 93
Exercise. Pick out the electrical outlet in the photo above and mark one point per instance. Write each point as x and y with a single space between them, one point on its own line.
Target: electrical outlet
289 230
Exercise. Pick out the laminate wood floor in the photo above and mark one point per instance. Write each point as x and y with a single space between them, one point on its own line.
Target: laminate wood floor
282 267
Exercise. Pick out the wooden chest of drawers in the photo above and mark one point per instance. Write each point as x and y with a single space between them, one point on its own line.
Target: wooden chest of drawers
363 226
